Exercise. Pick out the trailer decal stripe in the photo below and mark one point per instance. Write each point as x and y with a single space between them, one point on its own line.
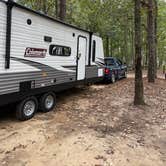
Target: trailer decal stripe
50 77
34 64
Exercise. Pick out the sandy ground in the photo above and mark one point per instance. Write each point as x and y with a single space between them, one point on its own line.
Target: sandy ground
93 126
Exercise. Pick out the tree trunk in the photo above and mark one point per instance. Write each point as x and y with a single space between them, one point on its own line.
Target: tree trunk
139 91
62 8
44 6
156 41
132 48
125 54
107 46
111 40
56 8
151 42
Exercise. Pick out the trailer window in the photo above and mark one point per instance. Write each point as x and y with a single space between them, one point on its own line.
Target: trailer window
94 51
57 50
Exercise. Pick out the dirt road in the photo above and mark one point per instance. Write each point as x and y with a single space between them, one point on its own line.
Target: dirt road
92 126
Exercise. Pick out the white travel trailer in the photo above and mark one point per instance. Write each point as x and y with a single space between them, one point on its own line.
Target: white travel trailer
40 56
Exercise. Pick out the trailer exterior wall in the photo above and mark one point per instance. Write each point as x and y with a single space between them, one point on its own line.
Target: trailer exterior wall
42 73
2 34
47 69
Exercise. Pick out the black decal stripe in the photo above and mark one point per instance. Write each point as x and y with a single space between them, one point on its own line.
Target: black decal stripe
70 67
41 66
100 64
37 65
48 76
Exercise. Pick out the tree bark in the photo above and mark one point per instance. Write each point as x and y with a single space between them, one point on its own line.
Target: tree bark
139 91
44 6
107 46
156 41
151 42
132 48
62 8
125 54
56 8
111 40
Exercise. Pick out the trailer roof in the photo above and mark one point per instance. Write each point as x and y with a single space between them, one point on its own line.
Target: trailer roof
46 16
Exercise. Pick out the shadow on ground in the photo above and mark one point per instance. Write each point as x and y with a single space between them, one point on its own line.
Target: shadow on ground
8 112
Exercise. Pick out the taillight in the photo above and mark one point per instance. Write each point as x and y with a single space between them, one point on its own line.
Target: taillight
107 71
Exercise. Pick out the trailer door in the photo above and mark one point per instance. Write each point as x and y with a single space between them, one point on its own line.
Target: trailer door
81 57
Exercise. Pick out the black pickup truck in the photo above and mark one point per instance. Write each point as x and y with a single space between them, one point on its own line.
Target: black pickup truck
114 69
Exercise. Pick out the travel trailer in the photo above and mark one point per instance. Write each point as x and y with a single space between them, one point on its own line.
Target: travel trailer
40 56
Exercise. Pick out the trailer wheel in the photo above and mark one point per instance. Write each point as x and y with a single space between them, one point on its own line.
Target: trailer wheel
26 109
47 102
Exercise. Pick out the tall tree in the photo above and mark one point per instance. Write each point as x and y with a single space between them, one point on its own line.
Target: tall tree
151 41
62 10
107 46
156 29
44 7
139 91
56 8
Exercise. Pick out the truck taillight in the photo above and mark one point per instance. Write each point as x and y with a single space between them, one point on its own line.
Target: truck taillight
107 71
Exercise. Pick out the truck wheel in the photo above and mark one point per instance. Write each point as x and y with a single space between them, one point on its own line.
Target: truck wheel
113 78
47 102
125 74
26 109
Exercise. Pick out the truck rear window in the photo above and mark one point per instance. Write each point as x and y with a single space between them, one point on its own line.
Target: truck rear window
109 62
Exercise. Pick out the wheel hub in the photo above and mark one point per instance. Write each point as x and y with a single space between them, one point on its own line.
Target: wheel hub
49 102
113 78
29 108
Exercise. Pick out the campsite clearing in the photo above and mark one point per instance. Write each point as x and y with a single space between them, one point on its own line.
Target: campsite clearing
93 126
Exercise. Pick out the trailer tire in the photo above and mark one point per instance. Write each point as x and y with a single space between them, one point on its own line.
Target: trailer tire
26 109
47 102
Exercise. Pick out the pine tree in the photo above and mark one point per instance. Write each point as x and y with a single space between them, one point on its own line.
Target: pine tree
139 91
62 10
151 41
